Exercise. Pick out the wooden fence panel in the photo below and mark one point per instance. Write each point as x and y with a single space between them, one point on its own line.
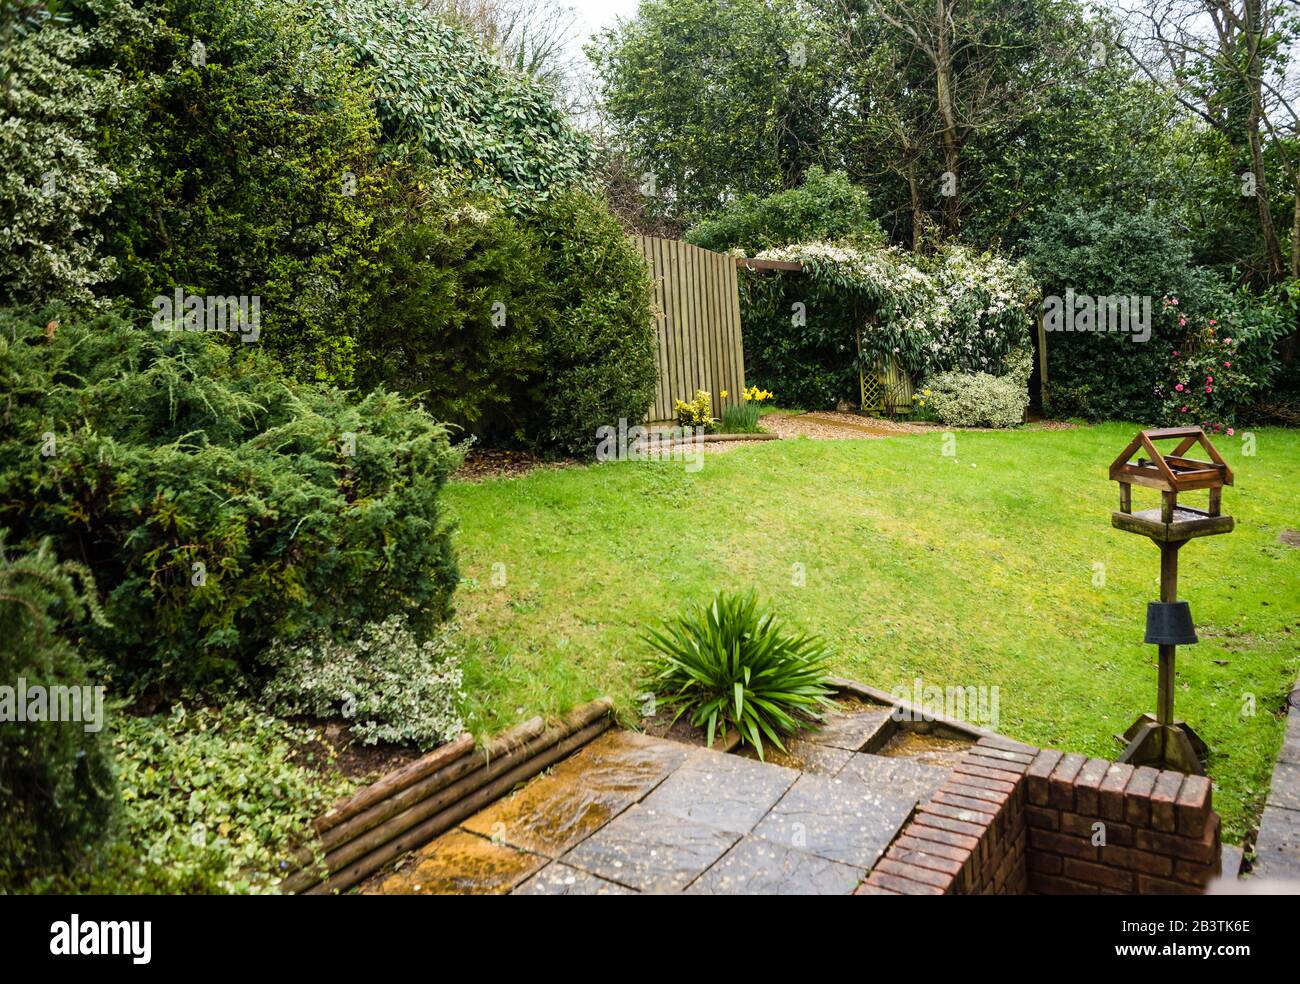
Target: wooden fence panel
697 324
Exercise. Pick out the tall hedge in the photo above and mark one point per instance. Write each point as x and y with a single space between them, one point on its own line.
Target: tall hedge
597 347
57 786
218 505
258 176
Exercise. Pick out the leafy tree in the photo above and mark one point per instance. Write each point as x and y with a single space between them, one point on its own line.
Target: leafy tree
825 207
716 100
493 129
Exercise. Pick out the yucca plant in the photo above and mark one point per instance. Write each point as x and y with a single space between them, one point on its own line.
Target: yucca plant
729 665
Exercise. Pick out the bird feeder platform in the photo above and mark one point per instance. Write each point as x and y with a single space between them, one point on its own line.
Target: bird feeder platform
1171 473
1159 739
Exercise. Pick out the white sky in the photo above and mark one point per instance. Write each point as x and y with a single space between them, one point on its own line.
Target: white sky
595 15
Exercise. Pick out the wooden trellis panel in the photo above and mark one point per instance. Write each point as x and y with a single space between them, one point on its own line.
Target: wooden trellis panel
697 321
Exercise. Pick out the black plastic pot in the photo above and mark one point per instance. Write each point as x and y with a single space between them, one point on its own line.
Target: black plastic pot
1169 623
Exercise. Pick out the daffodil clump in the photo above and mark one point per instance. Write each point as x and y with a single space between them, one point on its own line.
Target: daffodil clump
742 418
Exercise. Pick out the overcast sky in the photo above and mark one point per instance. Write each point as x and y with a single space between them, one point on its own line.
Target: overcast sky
595 15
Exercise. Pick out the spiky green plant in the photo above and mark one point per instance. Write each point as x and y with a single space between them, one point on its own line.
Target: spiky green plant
729 664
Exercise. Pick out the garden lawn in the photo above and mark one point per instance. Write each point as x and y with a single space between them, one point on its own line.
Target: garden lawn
996 566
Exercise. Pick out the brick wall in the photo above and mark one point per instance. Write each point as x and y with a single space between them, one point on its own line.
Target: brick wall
1100 827
969 838
1011 818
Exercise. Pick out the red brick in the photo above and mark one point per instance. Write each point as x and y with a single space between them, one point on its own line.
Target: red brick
1045 840
1134 860
1037 774
905 855
941 836
929 819
1110 793
1203 849
1113 832
1193 806
994 797
989 771
904 886
1099 874
866 888
1060 784
907 841
1048 864
1052 885
983 782
1147 885
913 872
1194 874
1163 798
997 758
1137 796
1042 818
965 814
1086 786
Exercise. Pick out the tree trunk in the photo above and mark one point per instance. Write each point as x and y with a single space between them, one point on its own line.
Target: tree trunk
1253 33
948 114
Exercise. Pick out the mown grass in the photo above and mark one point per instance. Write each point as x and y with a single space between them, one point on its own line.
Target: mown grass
978 569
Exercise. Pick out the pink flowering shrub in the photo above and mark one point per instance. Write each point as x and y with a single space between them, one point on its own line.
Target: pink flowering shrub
1204 385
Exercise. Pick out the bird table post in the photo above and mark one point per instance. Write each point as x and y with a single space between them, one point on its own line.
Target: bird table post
1160 739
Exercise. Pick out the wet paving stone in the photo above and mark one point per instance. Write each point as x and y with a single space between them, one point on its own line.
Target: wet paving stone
461 863
650 850
560 879
1277 846
804 756
836 819
760 867
903 776
850 729
1284 791
581 794
724 791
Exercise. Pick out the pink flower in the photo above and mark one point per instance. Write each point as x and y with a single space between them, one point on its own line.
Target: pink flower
1213 322
1230 432
1175 353
1173 300
1182 322
1179 387
1209 389
1209 379
1227 365
1227 341
1184 410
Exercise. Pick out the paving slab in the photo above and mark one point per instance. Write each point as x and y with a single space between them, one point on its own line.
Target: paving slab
461 863
1277 845
836 819
724 791
1284 792
561 879
804 756
581 794
850 729
904 776
651 851
756 866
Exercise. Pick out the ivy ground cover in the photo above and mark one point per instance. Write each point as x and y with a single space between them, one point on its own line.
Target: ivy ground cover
994 566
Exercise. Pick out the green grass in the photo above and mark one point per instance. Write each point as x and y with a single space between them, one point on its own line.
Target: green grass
976 570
